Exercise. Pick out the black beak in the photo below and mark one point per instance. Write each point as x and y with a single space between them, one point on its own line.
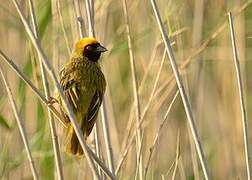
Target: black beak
101 49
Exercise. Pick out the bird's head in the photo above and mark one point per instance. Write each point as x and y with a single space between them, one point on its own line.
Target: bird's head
89 48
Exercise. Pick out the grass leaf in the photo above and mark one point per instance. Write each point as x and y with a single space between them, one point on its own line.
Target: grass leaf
3 123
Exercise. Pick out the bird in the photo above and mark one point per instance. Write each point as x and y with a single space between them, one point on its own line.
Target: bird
84 85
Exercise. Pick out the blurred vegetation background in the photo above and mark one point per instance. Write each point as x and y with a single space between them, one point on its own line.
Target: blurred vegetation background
209 78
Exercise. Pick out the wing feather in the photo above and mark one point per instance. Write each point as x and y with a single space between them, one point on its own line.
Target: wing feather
69 86
95 104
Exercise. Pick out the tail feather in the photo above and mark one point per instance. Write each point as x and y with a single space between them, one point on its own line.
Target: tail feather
72 143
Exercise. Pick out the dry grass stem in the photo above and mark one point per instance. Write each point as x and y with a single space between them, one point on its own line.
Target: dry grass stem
58 4
241 95
153 146
194 156
92 13
56 149
97 146
79 18
177 157
135 90
91 31
147 106
105 127
182 91
102 165
20 126
139 157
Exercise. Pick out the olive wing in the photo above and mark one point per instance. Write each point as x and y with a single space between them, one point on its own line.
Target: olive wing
69 83
95 104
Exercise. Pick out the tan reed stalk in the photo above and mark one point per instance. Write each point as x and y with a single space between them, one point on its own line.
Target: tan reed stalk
182 91
177 157
241 95
20 126
152 148
147 106
54 136
196 39
163 177
58 4
79 18
91 3
181 169
106 131
135 90
73 21
177 162
55 36
97 145
138 160
193 155
91 31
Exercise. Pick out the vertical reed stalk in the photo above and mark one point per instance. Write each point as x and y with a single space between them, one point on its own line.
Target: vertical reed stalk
58 4
181 90
152 148
177 157
106 131
80 20
20 126
241 95
91 31
97 145
135 90
54 136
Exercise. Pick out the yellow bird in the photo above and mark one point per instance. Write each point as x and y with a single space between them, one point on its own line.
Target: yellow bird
84 85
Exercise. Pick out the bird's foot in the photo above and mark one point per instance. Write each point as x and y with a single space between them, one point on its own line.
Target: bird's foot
51 101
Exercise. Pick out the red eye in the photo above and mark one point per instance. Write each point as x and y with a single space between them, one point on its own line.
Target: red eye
89 47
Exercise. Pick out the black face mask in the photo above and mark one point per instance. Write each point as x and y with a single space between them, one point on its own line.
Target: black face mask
93 51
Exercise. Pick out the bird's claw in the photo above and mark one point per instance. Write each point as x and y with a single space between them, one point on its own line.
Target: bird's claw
51 101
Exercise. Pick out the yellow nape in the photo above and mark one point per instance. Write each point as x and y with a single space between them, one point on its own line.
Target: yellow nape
84 42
